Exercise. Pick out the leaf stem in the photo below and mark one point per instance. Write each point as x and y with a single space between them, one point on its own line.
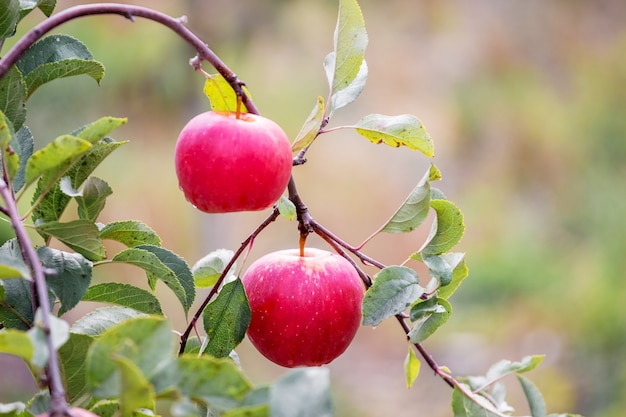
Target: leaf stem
129 12
58 403
192 324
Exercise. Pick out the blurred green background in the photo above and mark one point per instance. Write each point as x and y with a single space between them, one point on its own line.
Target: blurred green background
525 102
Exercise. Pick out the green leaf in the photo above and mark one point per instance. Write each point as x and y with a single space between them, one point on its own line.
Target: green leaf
403 130
412 367
180 268
286 208
310 128
79 235
14 409
13 267
9 16
428 317
136 392
393 290
17 343
72 356
100 320
93 198
413 211
57 56
106 408
226 319
71 277
505 367
535 400
98 130
148 342
447 231
476 406
125 295
303 392
26 142
261 410
434 173
9 146
46 6
59 333
57 155
16 308
345 66
155 269
217 382
53 199
207 270
442 267
221 94
131 233
459 273
13 97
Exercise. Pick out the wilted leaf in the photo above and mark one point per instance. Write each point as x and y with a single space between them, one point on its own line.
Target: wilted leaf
310 128
393 290
226 319
124 295
403 130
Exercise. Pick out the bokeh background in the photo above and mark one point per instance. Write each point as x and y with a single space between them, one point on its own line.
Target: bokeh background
525 102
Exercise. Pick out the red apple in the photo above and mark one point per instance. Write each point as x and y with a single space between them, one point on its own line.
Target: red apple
226 164
305 309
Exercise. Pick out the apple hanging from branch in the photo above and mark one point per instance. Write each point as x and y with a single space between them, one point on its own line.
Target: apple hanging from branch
305 309
228 162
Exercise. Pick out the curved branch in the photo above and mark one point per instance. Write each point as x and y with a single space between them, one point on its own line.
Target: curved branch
129 12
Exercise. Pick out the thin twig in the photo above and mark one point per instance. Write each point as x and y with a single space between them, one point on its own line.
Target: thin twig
192 324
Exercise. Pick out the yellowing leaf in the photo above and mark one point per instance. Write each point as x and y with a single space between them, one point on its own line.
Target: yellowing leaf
403 130
412 367
221 94
310 128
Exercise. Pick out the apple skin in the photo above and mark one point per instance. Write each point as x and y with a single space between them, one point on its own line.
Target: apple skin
305 310
227 164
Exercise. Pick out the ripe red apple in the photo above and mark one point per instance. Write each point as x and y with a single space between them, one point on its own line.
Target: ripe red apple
226 164
305 309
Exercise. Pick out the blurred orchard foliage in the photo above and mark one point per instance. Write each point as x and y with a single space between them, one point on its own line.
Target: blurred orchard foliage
525 102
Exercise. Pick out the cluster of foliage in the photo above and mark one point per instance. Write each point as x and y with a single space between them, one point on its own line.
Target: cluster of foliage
124 357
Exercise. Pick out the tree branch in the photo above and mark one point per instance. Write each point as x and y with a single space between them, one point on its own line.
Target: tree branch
58 403
129 12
